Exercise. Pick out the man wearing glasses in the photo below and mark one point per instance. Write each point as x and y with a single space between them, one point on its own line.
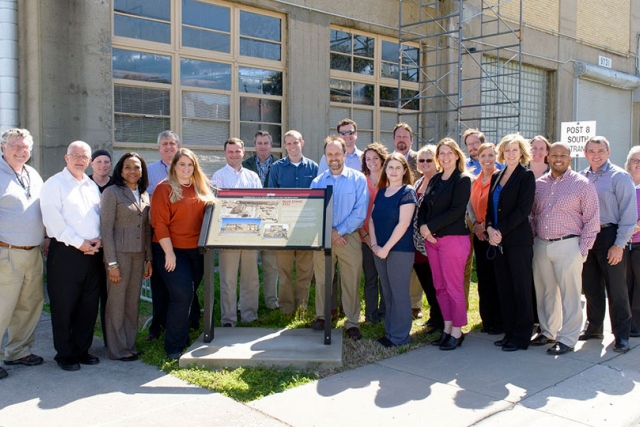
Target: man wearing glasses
21 233
70 204
348 131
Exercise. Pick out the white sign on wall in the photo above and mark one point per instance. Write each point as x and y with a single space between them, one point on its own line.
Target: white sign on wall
576 134
603 61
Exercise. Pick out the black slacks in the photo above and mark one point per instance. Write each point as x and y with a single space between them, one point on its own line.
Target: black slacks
598 275
73 283
514 277
489 305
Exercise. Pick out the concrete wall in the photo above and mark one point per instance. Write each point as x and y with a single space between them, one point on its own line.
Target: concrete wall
68 96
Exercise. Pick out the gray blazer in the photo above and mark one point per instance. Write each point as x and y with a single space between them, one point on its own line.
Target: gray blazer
124 224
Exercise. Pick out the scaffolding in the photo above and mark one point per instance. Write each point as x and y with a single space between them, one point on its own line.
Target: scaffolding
470 66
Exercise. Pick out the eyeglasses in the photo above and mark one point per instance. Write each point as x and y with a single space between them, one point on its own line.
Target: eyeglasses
634 161
347 132
80 157
425 160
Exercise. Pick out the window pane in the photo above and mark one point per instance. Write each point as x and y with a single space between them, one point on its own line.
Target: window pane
203 39
142 66
363 46
390 52
363 66
157 9
259 26
409 74
260 110
340 41
258 49
205 105
336 114
139 100
139 129
389 70
340 62
340 91
410 56
247 130
205 15
388 96
141 29
363 94
364 119
409 102
207 74
206 133
254 80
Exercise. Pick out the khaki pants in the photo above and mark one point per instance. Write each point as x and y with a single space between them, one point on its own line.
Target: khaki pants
290 297
21 299
350 259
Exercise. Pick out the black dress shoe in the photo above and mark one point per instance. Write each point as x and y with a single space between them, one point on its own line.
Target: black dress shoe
484 330
317 325
68 364
88 359
510 347
587 335
542 340
495 331
442 339
501 343
634 333
621 345
452 343
558 349
385 342
3 373
131 358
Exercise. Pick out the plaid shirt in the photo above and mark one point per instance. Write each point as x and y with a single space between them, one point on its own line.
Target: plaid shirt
566 205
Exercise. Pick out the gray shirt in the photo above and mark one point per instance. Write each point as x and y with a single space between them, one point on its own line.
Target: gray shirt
20 214
617 197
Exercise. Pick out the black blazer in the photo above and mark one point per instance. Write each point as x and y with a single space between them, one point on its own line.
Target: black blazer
514 207
444 205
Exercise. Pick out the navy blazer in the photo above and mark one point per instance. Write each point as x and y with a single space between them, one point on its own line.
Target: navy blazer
514 206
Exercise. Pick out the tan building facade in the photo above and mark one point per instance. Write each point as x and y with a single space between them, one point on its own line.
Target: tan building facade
115 73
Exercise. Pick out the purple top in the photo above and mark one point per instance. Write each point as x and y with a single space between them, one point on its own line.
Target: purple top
636 237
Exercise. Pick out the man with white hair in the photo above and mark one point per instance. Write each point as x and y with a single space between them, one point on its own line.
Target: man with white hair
70 204
21 233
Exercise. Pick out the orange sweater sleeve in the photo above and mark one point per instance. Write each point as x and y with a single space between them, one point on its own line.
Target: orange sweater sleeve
180 221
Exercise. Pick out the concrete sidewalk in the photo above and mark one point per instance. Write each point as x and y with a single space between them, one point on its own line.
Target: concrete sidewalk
476 384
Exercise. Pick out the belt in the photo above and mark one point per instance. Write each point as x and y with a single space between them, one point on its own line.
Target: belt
607 225
24 248
569 236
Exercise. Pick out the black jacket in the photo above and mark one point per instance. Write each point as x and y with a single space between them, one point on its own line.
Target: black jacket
444 205
514 207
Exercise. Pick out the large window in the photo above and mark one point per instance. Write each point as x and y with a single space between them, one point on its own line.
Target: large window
207 69
499 92
364 83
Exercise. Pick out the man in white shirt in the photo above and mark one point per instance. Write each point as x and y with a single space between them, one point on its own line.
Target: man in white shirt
233 175
70 204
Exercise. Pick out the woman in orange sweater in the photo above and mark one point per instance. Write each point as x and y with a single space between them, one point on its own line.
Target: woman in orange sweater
487 288
177 210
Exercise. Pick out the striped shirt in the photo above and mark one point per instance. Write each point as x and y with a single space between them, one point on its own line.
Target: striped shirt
617 197
566 205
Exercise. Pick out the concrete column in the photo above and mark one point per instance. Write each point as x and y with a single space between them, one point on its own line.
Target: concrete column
8 64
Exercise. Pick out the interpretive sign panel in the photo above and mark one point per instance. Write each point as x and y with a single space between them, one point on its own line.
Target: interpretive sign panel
266 218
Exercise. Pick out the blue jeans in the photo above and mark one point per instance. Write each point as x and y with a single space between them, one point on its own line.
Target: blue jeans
181 284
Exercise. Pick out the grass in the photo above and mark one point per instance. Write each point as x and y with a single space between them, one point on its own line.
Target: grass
245 384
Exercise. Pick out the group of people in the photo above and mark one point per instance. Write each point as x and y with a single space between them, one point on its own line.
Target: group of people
411 221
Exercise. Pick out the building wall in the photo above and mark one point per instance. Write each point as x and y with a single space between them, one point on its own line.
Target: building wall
65 61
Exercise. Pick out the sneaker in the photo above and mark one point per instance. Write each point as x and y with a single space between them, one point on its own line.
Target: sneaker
30 360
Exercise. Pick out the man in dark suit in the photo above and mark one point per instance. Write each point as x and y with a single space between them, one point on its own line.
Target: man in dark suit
261 163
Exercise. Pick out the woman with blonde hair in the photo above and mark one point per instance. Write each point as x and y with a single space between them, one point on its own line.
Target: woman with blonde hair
511 238
489 304
426 159
442 223
177 211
